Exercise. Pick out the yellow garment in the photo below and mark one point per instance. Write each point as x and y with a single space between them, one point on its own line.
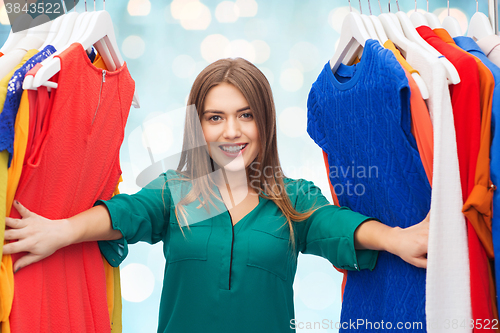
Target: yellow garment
390 46
113 291
5 81
7 280
6 273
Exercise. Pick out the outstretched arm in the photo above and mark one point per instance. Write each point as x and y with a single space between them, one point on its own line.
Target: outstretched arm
410 243
41 237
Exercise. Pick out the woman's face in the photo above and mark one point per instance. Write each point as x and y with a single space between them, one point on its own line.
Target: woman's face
229 128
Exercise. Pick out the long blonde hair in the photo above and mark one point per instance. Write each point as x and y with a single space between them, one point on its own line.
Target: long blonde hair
195 163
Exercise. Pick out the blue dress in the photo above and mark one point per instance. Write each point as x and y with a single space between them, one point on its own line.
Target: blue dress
360 116
13 99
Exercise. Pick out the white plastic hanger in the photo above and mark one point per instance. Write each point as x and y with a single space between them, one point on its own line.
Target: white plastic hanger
396 36
480 25
412 35
451 24
368 24
432 19
23 21
54 28
378 25
353 37
99 33
418 19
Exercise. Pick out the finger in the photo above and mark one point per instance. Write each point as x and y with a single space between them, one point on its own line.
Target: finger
15 223
21 209
419 262
13 234
26 260
15 247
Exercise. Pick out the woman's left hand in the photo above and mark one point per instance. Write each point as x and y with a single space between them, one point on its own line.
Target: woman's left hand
411 243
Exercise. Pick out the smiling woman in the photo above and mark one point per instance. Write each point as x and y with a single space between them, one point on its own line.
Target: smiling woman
230 245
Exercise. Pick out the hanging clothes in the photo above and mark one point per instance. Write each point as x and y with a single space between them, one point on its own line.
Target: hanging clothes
88 170
361 117
480 279
488 137
447 290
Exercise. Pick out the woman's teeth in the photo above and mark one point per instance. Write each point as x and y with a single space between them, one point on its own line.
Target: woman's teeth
232 149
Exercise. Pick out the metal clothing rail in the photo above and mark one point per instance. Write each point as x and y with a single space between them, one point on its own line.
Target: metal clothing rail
493 14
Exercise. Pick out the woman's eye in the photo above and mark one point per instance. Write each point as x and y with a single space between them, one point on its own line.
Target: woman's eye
215 118
247 115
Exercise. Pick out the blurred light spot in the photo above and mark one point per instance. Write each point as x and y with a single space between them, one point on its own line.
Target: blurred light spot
268 74
456 13
256 29
240 48
293 121
291 79
336 17
307 54
318 290
247 8
137 282
193 14
157 136
213 46
227 12
139 7
262 51
183 66
177 6
4 18
133 47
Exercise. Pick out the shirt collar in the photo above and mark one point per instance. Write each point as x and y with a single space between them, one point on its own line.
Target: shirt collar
467 44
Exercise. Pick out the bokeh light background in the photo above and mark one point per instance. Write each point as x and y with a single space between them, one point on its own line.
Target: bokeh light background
167 43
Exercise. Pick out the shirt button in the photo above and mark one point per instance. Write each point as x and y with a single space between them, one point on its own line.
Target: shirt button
355 266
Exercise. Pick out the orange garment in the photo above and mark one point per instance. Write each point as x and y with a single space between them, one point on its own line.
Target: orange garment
478 206
113 291
336 202
421 125
1 54
402 61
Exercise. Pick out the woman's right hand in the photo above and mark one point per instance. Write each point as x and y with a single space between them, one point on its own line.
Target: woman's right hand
34 234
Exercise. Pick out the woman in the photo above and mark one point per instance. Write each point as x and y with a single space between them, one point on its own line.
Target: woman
232 224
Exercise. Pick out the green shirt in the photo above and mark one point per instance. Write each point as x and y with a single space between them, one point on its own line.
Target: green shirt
224 278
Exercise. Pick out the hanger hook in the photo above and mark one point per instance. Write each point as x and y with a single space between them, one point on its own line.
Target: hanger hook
380 6
85 5
94 5
370 8
74 6
397 3
350 8
360 9
389 5
415 5
427 5
477 6
448 7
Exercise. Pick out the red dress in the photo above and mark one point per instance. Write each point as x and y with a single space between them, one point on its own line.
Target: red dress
74 161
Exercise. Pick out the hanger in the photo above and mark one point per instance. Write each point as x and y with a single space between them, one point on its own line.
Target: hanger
54 29
396 36
412 35
480 25
66 29
433 20
40 26
368 24
100 33
418 19
451 24
370 28
20 25
353 37
378 25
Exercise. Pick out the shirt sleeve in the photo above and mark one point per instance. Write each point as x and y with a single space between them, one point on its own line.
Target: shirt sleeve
329 231
139 217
